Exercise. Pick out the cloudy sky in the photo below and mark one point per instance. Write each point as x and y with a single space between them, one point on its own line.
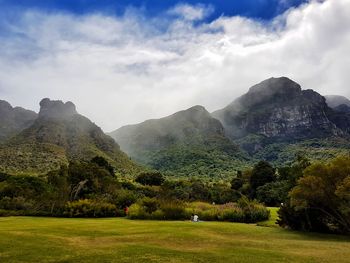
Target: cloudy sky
125 61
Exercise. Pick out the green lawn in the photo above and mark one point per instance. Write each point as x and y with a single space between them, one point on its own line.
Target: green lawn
35 239
272 222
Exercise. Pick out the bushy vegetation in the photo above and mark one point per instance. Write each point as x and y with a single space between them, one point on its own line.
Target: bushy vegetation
313 197
150 178
90 208
320 201
243 211
91 189
152 208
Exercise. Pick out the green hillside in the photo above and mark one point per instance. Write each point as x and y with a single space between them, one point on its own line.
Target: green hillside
187 143
58 135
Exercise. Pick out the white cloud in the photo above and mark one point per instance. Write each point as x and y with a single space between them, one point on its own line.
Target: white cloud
127 69
190 12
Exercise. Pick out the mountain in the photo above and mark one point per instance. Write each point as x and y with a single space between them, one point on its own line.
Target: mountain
189 142
13 120
334 101
58 135
276 119
278 107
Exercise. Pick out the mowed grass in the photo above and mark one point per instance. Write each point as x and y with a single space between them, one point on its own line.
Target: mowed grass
36 239
272 222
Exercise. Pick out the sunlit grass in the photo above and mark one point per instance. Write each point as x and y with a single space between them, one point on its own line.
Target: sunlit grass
29 239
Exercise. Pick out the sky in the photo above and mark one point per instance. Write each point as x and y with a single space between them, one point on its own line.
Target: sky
123 61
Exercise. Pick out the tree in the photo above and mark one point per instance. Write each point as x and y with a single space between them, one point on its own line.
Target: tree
102 162
237 182
273 194
323 193
150 178
262 173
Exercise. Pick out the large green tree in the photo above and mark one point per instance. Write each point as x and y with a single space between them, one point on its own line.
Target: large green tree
263 173
322 197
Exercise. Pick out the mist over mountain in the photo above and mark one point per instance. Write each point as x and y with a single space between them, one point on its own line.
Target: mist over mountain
13 120
275 120
334 101
189 142
58 135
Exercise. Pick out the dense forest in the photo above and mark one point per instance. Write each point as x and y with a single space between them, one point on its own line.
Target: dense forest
311 197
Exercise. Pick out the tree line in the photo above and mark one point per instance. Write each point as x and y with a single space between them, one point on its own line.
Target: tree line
311 196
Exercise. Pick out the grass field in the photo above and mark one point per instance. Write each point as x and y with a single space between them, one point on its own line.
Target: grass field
35 239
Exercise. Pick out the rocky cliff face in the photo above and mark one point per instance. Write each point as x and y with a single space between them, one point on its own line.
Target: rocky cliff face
58 135
278 108
56 109
13 120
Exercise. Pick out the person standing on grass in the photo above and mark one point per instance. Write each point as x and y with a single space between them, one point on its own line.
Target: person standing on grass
195 218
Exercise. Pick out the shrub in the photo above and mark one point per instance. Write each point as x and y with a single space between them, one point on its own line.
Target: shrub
137 211
150 205
90 208
102 162
244 211
11 213
208 215
124 198
253 211
233 215
150 178
16 203
151 208
149 191
174 210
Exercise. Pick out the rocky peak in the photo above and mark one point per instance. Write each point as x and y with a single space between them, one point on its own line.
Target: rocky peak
197 108
56 109
278 107
281 85
5 106
276 89
14 120
195 113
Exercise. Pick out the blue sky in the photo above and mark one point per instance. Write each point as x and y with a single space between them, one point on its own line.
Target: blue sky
258 9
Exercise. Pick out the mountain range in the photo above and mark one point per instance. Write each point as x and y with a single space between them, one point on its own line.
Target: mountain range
275 121
57 135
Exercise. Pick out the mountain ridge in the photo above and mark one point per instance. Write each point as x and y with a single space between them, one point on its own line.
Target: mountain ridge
275 120
13 120
182 142
60 134
278 107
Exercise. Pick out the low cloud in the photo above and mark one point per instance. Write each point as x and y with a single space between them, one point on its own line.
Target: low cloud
122 70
